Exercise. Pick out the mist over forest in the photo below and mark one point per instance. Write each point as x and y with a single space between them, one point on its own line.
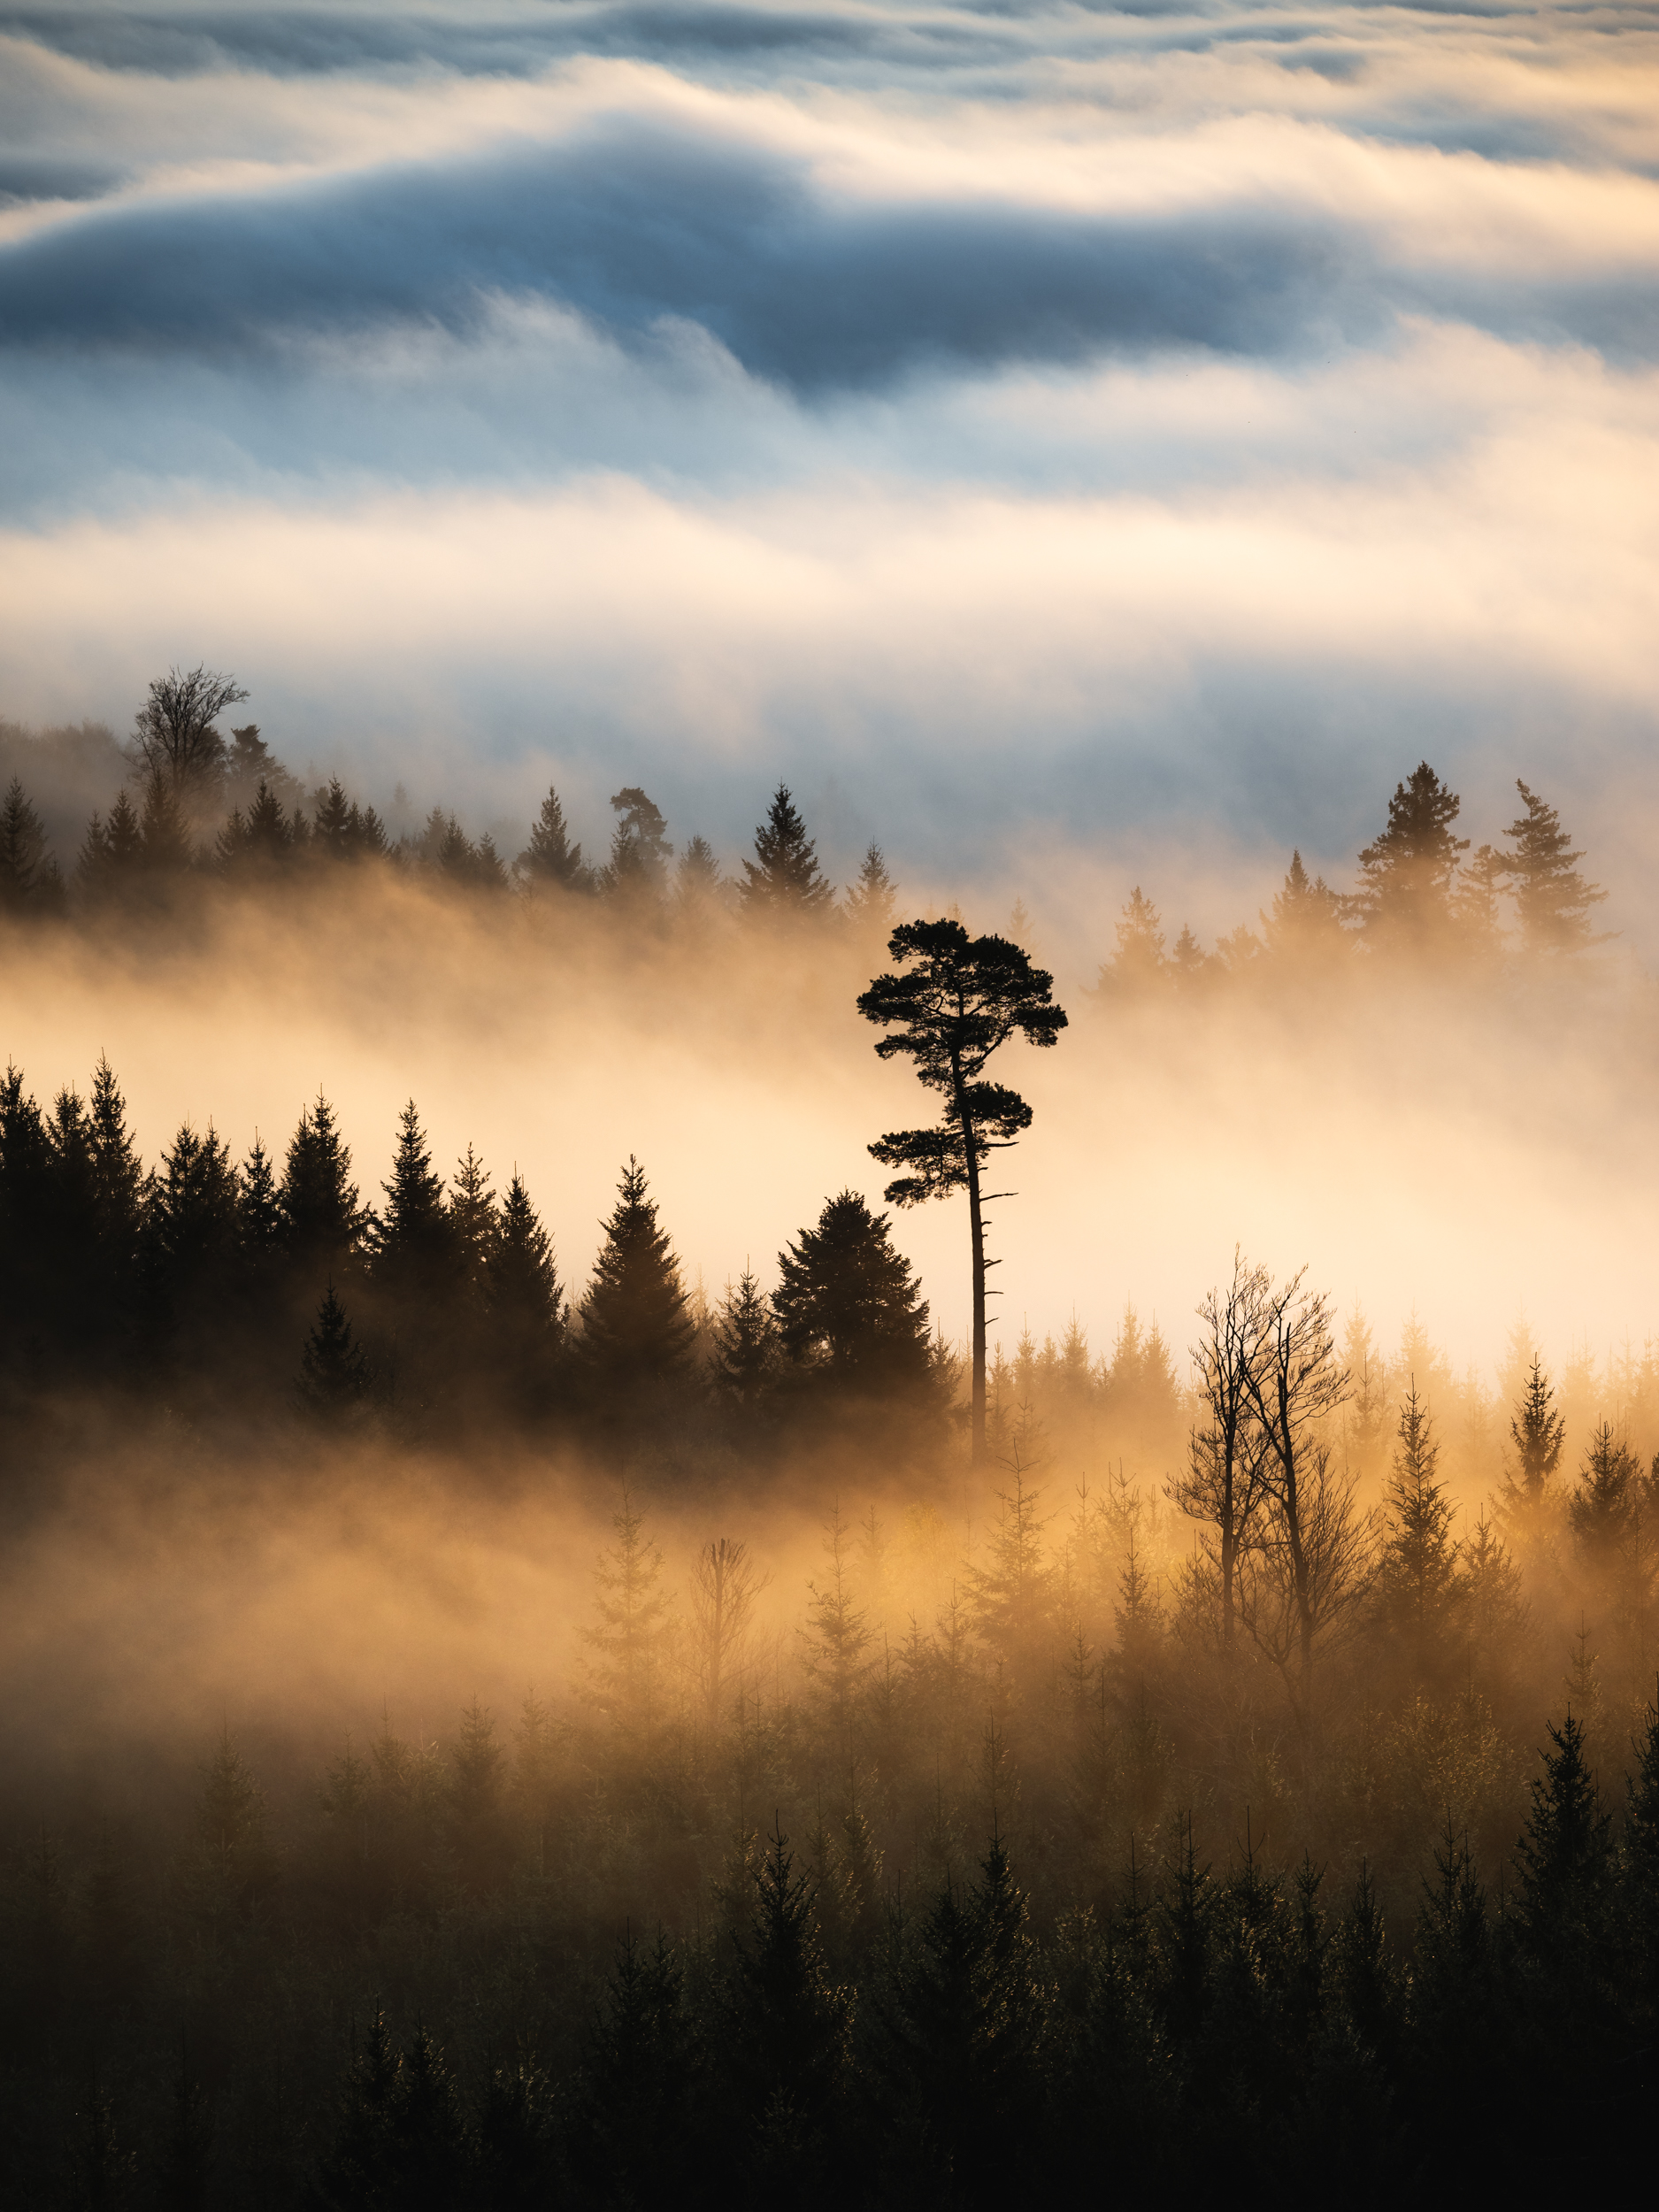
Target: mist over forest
828 1354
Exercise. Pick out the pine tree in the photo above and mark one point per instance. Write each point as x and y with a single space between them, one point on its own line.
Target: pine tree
640 850
743 1361
1406 874
29 880
1552 899
850 1309
872 901
334 1372
551 858
636 1331
784 876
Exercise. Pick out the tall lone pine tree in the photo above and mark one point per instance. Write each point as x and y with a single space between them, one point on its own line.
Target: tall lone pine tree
961 999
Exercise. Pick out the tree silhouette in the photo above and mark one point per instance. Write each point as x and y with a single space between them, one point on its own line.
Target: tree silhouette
174 735
550 857
784 876
961 999
1552 899
29 880
334 1375
636 1327
849 1310
1406 873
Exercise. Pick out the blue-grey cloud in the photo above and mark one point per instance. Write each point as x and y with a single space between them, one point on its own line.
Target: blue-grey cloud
634 223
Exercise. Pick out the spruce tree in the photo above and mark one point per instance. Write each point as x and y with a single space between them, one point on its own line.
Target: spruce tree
164 828
637 2096
850 1312
258 1210
1564 1915
523 1303
415 1249
334 1372
1552 899
837 1636
191 1240
551 858
1538 1431
1305 921
25 1225
1638 1914
788 2035
472 1226
630 1639
1421 1586
323 1224
1140 959
1602 1506
636 1330
29 880
872 901
784 876
1407 872
697 880
742 1363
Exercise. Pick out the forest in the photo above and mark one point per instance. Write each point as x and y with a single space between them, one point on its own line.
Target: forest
914 1769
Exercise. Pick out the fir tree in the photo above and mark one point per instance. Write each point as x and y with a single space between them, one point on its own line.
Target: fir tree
1139 958
1601 1507
1552 899
415 1256
333 822
323 1224
473 1227
523 1304
743 1361
637 2094
850 1309
631 1639
697 882
1564 1912
551 858
872 901
1406 874
787 2036
784 876
259 1209
29 880
191 1229
1305 921
837 1635
164 827
335 1373
636 1331
1538 1431
1421 1586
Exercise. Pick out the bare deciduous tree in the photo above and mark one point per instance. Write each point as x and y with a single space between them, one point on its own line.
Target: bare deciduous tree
1313 1554
1225 1478
723 1587
175 736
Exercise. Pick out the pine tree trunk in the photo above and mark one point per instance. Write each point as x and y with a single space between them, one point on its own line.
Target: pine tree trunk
976 1230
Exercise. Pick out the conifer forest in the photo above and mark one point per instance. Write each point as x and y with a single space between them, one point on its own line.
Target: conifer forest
492 1732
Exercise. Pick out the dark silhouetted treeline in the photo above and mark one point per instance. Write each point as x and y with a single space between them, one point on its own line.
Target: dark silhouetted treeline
268 1290
198 810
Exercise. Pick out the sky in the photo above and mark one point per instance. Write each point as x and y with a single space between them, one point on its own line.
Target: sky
1070 444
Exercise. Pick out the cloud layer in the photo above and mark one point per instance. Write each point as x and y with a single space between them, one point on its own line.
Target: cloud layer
1146 431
